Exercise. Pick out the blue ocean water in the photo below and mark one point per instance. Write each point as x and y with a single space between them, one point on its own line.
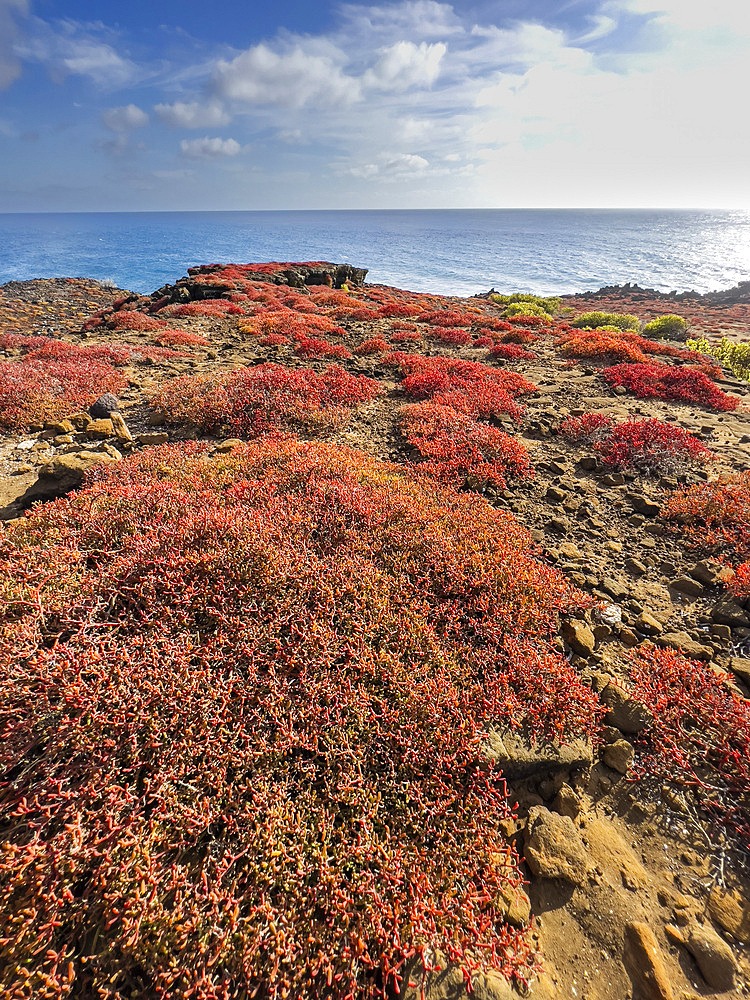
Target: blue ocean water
456 252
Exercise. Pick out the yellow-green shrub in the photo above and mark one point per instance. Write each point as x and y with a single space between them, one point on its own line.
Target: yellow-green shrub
622 321
670 326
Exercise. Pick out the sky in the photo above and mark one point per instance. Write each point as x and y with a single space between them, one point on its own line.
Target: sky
239 105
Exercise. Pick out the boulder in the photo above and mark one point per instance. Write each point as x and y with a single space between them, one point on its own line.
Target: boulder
625 713
518 757
685 644
64 474
644 963
104 406
714 957
578 636
619 756
553 847
730 911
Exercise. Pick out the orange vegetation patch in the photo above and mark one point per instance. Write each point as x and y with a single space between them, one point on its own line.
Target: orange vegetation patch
243 706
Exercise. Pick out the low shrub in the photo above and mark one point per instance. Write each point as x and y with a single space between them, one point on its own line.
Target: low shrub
740 585
651 446
526 309
547 305
511 352
622 321
452 336
716 515
33 390
243 707
672 327
375 345
268 397
699 738
457 449
318 347
586 428
473 388
660 381
735 356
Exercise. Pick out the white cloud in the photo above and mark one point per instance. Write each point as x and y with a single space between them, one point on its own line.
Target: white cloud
693 15
293 78
404 65
395 166
124 118
291 136
526 44
68 48
10 66
209 149
413 19
193 114
602 25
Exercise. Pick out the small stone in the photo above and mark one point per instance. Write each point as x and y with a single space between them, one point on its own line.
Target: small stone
714 957
120 428
730 911
625 713
710 573
683 643
555 495
635 567
554 848
152 438
516 907
729 612
569 550
740 666
60 427
619 756
559 525
687 586
104 406
567 802
644 963
100 429
646 622
578 636
643 505
614 588
517 757
228 445
80 421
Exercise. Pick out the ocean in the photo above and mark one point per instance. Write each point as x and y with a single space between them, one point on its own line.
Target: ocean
458 252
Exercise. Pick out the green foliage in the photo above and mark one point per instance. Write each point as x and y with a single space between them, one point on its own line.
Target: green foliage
672 327
526 309
735 356
595 320
538 302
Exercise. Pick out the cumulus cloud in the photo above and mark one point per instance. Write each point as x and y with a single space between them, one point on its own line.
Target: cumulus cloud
10 66
68 48
209 149
404 65
193 114
125 118
292 78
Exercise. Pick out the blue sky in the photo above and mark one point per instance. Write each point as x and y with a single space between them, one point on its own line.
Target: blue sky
419 104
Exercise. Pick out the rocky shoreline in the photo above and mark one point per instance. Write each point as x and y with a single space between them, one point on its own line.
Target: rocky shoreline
632 892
